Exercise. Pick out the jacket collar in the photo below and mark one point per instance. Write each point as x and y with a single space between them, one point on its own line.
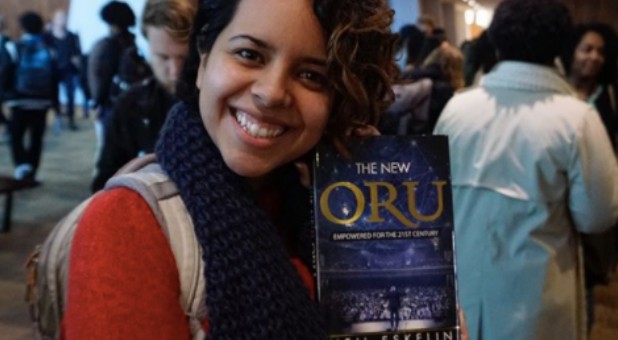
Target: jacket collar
526 76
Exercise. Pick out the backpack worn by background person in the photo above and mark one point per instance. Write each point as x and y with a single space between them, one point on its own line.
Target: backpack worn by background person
112 62
132 69
34 72
47 267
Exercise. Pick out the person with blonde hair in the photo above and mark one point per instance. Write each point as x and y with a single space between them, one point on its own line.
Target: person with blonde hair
139 113
449 60
422 93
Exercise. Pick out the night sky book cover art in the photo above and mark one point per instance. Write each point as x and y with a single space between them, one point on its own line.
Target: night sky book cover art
384 239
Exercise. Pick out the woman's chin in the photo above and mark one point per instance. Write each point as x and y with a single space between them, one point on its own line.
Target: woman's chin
248 168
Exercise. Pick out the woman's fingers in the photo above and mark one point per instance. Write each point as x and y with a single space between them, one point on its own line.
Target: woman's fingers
363 131
303 173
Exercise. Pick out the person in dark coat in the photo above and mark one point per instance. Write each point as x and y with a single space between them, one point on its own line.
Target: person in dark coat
104 60
139 113
68 53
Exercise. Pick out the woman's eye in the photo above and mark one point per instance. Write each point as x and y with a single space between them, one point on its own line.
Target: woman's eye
315 79
248 55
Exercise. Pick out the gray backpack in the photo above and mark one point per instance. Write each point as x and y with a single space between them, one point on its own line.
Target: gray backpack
47 266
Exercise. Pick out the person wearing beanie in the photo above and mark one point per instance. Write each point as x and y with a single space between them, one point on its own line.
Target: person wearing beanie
104 62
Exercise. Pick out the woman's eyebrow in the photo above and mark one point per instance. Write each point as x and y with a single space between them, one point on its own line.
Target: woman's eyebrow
258 42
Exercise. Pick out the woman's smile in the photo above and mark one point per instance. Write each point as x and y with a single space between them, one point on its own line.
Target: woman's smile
257 128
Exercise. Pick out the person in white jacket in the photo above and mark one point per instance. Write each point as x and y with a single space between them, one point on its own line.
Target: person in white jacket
531 168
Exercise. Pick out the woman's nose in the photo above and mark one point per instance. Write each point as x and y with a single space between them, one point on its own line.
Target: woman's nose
270 89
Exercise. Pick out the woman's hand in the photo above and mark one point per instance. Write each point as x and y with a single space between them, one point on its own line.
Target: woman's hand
363 131
303 173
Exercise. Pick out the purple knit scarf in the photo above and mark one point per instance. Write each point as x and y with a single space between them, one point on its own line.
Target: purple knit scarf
252 289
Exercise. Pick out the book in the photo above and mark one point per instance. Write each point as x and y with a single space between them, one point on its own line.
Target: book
384 252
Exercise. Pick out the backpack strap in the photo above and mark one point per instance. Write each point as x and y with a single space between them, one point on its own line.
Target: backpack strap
162 195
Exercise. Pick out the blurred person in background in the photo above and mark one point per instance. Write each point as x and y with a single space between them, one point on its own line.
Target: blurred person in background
409 45
139 113
426 24
432 41
68 54
532 167
479 58
33 92
590 64
422 93
104 61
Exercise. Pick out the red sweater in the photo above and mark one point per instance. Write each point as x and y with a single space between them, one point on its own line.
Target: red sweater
123 280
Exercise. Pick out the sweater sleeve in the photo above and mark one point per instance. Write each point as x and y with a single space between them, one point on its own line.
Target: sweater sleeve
123 280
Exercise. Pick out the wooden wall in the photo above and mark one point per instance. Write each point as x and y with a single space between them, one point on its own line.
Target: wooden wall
11 10
582 10
594 10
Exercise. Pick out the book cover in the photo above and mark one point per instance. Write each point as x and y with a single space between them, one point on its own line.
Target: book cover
384 239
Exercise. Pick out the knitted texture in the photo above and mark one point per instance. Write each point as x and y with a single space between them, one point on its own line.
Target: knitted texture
252 289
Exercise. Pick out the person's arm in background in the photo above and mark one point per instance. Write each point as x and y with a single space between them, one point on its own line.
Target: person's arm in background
76 51
101 69
48 40
409 96
593 178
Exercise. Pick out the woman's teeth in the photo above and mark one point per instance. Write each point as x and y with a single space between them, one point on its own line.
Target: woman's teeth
256 129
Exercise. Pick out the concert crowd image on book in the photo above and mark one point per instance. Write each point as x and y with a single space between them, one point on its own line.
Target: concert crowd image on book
384 239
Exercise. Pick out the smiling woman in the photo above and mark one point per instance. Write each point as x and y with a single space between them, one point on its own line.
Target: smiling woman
264 82
273 105
587 61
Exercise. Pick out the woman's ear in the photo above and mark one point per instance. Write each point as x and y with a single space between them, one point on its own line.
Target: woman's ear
200 70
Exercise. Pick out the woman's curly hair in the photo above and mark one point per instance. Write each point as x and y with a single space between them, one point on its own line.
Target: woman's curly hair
360 56
361 65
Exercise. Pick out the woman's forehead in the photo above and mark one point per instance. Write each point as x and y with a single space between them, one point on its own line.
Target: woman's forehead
279 23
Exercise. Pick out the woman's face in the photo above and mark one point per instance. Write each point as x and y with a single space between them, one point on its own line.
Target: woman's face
589 56
264 96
